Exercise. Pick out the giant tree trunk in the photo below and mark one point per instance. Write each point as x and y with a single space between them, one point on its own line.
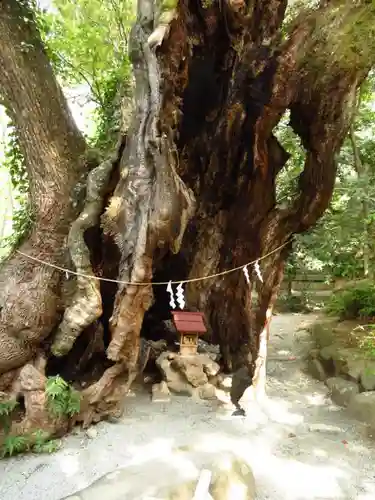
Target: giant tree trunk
30 298
54 150
195 177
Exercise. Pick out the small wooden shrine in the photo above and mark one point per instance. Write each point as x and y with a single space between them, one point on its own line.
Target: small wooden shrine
189 325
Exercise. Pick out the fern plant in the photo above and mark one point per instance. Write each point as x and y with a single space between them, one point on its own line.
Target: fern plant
6 409
62 399
14 444
43 444
38 442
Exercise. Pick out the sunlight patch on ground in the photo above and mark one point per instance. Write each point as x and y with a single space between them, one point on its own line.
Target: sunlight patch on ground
317 452
284 352
293 477
156 449
184 465
369 494
316 399
69 465
278 411
227 382
223 397
218 442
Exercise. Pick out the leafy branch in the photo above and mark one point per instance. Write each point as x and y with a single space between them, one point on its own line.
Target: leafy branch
62 399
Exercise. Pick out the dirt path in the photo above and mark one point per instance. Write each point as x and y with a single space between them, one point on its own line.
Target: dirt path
301 446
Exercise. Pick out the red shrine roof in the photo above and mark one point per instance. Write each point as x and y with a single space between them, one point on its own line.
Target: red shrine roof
186 322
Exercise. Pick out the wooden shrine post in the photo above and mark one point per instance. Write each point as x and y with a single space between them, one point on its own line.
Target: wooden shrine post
189 325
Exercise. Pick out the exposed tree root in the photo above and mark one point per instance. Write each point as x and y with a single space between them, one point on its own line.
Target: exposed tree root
87 302
106 397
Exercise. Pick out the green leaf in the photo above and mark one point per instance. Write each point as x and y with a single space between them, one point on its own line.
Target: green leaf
14 444
62 399
46 446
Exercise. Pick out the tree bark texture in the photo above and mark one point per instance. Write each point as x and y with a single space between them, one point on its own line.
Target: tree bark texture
189 192
55 157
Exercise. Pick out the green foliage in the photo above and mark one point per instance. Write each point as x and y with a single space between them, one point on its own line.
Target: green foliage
22 216
367 343
287 181
87 44
6 409
108 117
89 38
206 4
37 442
48 447
13 445
355 302
43 444
294 9
341 38
62 399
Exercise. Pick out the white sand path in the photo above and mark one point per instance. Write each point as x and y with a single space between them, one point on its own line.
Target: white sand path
301 447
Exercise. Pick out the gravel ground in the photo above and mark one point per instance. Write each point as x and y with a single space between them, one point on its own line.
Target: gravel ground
300 445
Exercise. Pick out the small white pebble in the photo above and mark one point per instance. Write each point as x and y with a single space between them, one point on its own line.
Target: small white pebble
91 433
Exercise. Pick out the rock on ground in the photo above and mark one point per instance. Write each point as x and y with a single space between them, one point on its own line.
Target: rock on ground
91 433
316 369
368 377
322 331
362 406
230 478
160 392
348 362
213 351
188 374
342 391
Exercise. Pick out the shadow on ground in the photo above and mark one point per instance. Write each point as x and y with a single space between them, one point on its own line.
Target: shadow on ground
299 445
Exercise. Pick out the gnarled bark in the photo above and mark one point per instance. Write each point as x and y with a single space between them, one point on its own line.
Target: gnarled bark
54 150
